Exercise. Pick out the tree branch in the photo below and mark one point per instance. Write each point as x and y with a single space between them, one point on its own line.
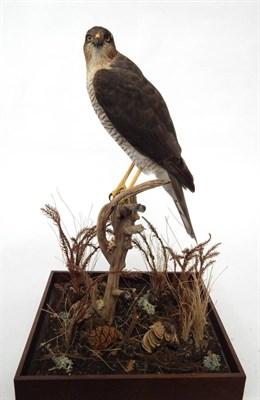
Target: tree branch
122 217
105 212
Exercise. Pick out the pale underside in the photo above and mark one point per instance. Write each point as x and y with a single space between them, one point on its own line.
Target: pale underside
147 165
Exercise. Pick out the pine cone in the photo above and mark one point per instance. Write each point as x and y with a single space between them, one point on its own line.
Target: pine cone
103 337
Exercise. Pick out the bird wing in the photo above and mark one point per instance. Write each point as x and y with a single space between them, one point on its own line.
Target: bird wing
139 113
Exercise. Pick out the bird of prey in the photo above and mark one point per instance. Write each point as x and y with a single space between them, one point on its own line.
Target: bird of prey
135 114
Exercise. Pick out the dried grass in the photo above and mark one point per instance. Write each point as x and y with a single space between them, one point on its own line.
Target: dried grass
156 257
78 252
194 288
189 273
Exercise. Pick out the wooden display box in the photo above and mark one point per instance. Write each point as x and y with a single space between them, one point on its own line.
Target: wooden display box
188 386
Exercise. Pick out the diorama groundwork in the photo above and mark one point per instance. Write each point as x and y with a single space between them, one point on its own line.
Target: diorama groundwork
97 348
125 322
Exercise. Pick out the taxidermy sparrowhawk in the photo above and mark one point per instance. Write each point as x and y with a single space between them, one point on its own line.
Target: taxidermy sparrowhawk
134 113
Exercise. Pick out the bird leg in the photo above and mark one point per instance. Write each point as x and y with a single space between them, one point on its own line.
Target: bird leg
133 182
122 183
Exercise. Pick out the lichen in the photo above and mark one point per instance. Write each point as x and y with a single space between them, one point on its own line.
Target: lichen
64 315
144 303
100 304
62 362
212 361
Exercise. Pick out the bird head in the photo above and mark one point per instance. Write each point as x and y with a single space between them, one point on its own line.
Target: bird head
99 42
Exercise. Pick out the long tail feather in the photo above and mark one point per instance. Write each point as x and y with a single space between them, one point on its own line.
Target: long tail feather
176 192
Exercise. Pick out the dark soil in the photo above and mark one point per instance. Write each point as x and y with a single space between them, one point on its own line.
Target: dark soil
118 350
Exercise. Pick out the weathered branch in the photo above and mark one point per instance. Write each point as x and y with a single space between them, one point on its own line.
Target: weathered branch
122 217
108 208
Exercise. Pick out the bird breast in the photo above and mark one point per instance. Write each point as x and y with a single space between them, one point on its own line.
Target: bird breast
141 161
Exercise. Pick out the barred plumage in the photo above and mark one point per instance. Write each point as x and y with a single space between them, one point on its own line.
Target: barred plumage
134 113
141 161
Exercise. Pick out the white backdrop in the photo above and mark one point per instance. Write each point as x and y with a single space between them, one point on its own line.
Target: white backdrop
203 57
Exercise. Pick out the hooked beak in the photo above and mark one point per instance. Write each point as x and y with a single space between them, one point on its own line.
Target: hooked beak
98 42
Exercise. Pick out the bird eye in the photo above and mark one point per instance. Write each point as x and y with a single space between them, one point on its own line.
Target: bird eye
107 38
88 38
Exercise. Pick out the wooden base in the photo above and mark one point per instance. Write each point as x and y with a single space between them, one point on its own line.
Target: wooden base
202 386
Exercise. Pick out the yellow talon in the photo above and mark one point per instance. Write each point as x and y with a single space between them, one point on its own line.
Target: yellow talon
122 183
